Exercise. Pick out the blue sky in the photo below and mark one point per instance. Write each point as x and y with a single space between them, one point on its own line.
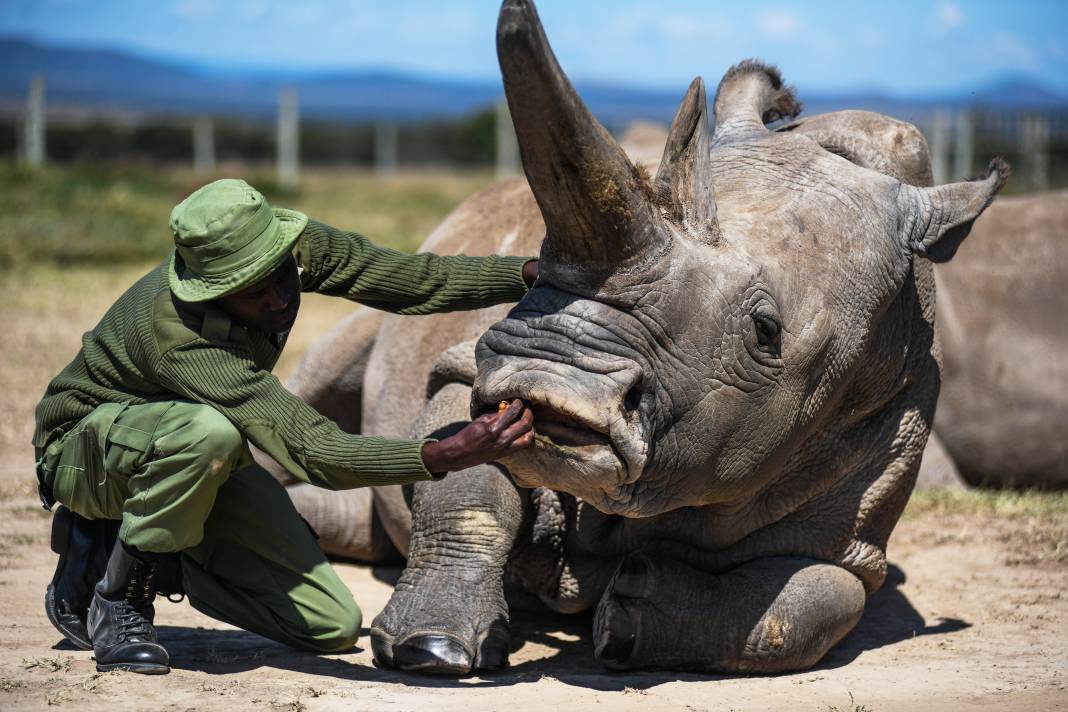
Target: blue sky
910 47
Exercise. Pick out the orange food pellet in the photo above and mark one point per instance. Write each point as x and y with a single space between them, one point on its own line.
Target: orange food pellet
502 406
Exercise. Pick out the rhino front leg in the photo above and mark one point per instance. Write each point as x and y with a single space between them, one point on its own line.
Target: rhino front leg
767 616
448 613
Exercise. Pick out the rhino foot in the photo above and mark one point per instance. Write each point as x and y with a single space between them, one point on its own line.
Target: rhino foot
765 616
430 629
448 614
441 654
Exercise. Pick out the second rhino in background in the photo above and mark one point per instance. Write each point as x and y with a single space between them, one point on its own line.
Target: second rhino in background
1002 319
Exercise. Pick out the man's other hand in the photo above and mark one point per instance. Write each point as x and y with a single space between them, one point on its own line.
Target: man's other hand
487 438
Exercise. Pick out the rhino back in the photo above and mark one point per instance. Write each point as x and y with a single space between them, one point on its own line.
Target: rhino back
1003 411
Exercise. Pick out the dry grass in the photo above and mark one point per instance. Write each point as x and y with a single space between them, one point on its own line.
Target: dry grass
51 664
1002 504
118 214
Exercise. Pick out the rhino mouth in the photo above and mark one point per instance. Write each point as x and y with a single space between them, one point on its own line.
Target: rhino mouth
572 452
556 427
566 430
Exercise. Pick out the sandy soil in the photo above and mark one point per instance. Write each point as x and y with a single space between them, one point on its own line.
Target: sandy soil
973 617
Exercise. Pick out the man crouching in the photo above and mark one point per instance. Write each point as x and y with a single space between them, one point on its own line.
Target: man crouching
144 435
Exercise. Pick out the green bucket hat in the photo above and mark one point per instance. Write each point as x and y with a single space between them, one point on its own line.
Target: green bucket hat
227 238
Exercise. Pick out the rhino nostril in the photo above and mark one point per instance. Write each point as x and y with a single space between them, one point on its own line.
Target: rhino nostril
633 398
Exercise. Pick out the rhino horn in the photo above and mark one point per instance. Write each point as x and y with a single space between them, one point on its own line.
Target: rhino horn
941 217
889 146
750 95
596 205
684 179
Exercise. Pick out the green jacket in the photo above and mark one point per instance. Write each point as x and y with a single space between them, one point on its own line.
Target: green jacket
149 346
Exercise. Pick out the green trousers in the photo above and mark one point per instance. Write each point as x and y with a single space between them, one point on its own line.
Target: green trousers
180 477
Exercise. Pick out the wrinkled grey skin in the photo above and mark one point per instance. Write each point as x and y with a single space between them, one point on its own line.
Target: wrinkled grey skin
733 370
1000 303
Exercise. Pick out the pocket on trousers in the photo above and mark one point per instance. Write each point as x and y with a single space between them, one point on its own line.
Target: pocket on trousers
78 475
130 438
132 435
127 449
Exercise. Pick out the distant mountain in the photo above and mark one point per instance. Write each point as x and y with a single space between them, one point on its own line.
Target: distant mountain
1018 90
106 79
110 80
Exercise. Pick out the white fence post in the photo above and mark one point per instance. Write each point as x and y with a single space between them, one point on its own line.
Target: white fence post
940 147
964 146
288 137
1036 150
203 146
385 148
34 144
507 145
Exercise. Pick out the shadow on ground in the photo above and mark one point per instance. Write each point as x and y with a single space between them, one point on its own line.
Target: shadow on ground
888 619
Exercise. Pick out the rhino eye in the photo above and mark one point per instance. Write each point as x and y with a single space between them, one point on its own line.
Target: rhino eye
768 333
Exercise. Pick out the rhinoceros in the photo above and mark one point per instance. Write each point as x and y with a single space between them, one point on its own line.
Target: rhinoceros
732 366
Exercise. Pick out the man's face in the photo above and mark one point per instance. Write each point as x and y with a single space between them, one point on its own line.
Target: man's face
269 305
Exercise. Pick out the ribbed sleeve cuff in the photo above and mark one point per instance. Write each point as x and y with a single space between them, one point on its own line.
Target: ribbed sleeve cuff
500 279
383 461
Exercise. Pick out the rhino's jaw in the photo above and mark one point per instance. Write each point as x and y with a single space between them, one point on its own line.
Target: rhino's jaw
586 443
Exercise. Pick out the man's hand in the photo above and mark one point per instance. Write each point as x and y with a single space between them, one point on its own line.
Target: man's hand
488 438
530 273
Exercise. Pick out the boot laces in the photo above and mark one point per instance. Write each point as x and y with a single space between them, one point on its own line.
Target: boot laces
131 621
140 592
141 587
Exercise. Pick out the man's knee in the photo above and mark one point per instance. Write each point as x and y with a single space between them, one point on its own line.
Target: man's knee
338 629
215 438
345 631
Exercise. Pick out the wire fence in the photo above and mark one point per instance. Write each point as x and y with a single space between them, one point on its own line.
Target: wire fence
962 141
1034 142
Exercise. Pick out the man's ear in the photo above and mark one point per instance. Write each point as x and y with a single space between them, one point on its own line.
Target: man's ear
941 217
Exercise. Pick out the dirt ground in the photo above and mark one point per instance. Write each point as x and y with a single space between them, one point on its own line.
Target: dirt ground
974 615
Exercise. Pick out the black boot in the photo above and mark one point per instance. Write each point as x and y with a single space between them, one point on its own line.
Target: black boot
120 617
83 546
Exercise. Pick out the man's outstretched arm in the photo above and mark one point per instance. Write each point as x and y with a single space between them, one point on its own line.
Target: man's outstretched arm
347 264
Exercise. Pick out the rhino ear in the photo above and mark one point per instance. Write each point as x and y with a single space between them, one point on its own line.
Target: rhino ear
684 179
750 95
943 216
